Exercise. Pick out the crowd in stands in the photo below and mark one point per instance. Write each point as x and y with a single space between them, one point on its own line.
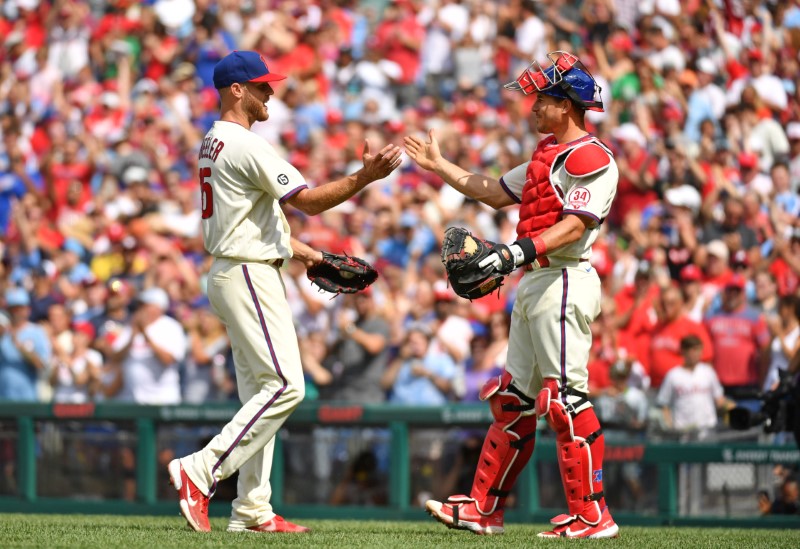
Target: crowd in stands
103 105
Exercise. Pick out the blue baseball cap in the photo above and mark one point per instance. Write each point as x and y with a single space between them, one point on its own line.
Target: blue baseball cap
243 66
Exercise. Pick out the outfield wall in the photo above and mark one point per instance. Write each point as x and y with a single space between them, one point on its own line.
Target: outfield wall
364 462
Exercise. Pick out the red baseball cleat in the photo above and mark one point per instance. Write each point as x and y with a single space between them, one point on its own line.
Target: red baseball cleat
560 524
576 528
606 528
193 503
460 512
276 525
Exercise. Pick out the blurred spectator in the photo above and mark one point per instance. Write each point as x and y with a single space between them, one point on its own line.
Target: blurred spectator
311 311
621 406
673 325
25 350
706 101
785 264
205 378
149 351
695 300
717 270
75 371
766 296
419 376
731 231
787 499
637 169
453 332
740 338
487 355
636 314
785 330
691 393
115 317
43 294
360 353
400 36
457 477
361 484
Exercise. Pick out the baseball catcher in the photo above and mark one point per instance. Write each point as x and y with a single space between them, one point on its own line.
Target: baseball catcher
342 274
463 256
564 192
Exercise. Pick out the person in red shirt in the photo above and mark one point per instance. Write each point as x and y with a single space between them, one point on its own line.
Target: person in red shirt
715 257
637 174
741 340
605 349
64 168
785 265
401 37
637 317
673 325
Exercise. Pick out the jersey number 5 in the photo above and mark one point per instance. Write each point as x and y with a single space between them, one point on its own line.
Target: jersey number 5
206 196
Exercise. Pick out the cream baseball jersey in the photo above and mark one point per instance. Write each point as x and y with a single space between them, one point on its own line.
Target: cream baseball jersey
589 195
243 181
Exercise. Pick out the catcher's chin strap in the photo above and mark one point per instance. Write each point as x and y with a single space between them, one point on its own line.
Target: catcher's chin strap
576 431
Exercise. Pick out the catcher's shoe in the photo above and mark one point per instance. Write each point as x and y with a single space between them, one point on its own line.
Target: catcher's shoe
193 503
460 512
576 528
560 524
276 525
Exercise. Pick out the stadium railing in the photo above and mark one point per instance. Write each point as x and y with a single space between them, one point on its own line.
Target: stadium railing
110 457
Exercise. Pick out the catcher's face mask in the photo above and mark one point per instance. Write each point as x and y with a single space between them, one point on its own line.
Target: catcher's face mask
566 77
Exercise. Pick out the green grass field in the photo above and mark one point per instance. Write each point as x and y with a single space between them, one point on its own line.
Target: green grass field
18 530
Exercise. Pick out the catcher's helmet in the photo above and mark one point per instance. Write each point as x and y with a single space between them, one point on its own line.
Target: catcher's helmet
566 78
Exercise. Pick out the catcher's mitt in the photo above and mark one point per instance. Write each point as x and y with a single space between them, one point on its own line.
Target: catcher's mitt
342 274
461 254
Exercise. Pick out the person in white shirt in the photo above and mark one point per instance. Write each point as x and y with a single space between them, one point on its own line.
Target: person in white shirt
691 393
662 53
768 86
530 38
786 341
150 350
706 73
73 375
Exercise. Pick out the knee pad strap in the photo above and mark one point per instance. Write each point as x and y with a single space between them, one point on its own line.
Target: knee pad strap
506 401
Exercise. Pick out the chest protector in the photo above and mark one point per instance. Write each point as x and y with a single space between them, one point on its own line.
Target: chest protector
543 201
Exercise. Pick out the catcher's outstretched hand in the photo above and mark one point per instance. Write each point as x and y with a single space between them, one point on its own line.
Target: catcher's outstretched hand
342 274
425 153
382 164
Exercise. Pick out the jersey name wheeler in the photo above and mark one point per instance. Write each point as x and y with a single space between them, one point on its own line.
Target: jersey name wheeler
243 182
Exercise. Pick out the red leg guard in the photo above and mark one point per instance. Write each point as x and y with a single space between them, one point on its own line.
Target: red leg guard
574 454
586 425
508 445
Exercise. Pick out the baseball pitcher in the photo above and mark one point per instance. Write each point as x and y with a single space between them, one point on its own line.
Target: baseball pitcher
565 192
243 183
